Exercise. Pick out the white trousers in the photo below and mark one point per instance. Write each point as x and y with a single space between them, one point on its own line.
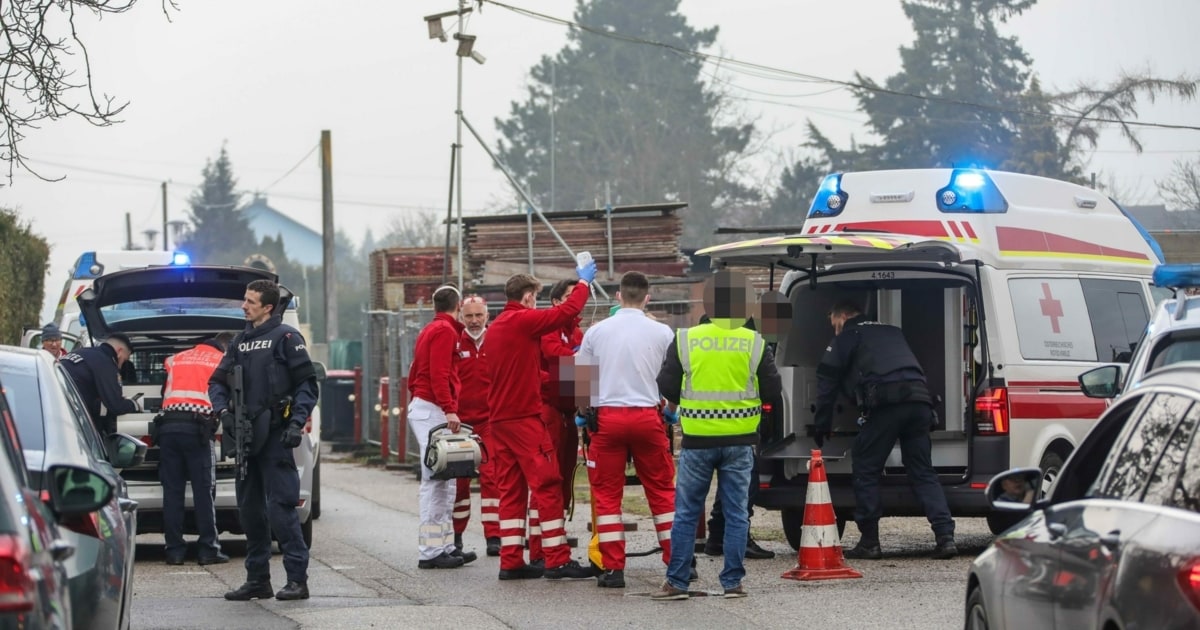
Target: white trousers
436 498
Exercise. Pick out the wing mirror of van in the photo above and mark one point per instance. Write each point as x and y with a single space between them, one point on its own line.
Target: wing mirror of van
1015 490
1101 382
125 451
75 490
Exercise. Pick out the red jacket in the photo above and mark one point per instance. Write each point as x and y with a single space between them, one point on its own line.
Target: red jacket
188 372
514 354
473 374
560 343
433 376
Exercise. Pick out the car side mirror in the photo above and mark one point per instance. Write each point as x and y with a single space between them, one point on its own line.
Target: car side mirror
319 369
75 490
1015 490
125 451
1101 382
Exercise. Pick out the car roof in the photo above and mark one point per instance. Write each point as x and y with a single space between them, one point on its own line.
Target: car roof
1182 374
1178 313
63 441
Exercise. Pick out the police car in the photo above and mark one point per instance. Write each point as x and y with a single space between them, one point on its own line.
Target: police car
165 309
1172 336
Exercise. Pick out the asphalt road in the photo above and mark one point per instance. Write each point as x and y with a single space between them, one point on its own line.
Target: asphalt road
364 574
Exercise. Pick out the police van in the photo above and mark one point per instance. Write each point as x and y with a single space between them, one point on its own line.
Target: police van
1006 286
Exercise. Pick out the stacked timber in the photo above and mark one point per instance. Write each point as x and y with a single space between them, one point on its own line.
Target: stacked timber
405 276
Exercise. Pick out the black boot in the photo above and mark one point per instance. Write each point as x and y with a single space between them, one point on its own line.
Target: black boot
249 591
467 556
493 547
527 572
293 590
458 542
443 561
611 579
945 548
754 552
572 570
864 550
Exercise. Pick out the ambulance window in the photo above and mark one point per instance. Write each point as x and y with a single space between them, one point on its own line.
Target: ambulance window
1118 313
1052 316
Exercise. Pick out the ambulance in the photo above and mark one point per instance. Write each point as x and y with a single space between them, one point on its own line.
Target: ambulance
1006 286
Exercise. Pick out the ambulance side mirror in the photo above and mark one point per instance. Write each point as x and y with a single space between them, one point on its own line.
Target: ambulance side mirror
1101 382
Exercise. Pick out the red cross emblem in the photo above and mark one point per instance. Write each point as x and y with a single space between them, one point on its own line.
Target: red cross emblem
1051 307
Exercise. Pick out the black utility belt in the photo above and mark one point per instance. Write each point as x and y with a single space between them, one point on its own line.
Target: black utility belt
181 417
873 395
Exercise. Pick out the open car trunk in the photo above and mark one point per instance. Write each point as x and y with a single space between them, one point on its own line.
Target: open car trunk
926 287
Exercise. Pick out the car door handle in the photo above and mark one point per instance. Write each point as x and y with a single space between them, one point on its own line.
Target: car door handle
1111 540
1056 530
127 505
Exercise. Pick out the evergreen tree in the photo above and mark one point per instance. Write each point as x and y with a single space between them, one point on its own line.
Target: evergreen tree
633 123
788 205
220 233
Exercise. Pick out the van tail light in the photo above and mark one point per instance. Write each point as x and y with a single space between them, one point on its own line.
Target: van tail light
991 412
308 425
86 524
1189 582
17 589
147 440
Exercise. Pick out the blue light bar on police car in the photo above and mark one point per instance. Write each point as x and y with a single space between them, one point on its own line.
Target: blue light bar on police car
971 190
181 258
1179 276
87 267
830 198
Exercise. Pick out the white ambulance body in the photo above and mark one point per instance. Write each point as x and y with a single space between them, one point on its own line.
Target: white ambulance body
1006 286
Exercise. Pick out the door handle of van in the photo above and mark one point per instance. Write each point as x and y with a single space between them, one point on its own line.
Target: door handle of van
1056 530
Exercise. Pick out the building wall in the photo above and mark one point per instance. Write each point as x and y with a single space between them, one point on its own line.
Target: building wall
1179 246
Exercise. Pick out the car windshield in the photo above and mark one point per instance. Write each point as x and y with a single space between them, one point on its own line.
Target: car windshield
172 307
1176 348
21 387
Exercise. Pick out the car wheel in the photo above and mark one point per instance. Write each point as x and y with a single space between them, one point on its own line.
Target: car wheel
316 491
1051 465
977 618
306 531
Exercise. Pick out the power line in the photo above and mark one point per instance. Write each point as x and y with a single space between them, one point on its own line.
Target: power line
771 70
297 165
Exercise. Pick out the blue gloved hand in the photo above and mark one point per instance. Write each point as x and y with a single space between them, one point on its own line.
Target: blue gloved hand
587 272
580 420
672 417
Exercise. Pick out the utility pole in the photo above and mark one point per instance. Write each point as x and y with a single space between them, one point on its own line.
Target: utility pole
331 329
164 197
128 232
458 113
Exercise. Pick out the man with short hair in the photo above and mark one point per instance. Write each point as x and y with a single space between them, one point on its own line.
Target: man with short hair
434 388
629 349
524 456
473 410
52 340
280 387
96 373
184 431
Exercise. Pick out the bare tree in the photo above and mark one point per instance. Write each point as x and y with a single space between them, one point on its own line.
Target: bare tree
45 65
1181 190
419 229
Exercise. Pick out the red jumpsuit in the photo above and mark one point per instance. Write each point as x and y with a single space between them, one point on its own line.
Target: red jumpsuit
473 410
558 406
524 457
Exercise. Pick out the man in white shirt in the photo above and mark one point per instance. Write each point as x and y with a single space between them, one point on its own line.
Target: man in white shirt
628 349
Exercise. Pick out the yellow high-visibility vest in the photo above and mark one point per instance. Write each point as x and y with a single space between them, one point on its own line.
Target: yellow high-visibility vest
720 382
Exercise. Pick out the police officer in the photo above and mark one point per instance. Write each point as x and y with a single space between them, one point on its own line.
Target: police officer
184 432
280 393
714 379
96 374
872 363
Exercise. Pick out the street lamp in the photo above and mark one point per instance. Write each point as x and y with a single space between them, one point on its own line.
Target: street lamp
466 48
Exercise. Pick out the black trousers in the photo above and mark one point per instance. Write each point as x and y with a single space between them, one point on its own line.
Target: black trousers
908 423
267 500
186 455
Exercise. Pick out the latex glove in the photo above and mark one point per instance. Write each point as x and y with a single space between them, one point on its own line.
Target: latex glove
291 435
819 436
580 421
587 272
228 423
672 417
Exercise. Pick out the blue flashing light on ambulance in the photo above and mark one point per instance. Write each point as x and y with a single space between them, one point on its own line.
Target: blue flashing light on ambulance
1007 287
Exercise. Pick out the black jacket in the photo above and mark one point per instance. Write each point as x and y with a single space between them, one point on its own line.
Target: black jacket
94 371
865 353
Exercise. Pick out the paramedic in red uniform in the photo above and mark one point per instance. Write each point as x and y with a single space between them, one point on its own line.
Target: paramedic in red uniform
524 456
433 386
473 410
629 348
558 406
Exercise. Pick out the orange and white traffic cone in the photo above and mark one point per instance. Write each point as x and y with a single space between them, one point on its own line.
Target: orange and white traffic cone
820 556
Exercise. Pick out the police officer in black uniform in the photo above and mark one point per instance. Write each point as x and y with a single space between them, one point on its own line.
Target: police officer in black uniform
280 393
96 374
873 364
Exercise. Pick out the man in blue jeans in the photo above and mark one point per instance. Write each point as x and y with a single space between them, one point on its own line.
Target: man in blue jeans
714 378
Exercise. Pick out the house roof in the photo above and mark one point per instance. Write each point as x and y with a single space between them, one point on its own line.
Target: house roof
1158 219
259 209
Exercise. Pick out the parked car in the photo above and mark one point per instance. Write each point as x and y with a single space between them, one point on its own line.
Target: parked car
1173 335
165 309
1116 544
67 461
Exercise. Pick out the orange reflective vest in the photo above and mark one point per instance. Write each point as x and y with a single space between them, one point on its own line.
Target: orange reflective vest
187 379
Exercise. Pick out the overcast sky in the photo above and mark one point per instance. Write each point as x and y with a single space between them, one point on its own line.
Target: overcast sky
265 77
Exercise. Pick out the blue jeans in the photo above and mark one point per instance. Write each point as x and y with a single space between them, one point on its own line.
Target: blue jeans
694 474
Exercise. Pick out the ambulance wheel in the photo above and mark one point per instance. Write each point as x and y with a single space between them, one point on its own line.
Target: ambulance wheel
306 531
793 525
1051 465
316 491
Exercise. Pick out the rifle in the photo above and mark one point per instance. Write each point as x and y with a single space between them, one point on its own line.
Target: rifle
243 430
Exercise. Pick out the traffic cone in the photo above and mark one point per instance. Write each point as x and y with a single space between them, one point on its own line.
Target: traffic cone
820 556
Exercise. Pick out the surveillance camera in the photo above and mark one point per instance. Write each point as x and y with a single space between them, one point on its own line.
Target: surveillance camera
478 57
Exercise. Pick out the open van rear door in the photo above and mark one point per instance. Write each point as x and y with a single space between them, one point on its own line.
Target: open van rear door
838 249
